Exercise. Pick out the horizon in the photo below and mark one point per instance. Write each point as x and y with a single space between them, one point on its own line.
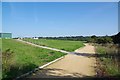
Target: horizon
66 36
54 19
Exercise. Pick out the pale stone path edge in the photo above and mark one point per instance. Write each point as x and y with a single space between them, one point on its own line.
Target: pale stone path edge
41 67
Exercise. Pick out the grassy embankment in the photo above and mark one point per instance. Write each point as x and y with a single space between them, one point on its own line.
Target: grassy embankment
108 60
59 44
19 58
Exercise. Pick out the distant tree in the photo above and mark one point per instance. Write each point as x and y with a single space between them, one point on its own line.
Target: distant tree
93 39
108 39
116 38
93 36
100 40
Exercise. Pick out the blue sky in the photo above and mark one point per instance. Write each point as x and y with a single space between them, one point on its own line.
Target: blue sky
60 19
0 17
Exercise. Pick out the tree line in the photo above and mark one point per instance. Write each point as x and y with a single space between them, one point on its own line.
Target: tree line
94 39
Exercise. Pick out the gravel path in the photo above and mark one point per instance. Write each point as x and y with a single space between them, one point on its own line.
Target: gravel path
78 64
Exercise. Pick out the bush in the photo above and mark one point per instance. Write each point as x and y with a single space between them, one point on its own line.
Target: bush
7 61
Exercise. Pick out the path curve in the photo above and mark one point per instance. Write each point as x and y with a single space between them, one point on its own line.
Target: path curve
80 65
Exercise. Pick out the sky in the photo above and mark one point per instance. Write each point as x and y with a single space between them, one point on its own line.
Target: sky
0 17
119 17
60 0
28 19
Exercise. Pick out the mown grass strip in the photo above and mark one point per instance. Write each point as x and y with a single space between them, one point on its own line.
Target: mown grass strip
59 44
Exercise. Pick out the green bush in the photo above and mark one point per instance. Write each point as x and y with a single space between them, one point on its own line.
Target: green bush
7 63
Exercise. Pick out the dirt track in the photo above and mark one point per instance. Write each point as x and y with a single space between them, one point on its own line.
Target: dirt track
81 65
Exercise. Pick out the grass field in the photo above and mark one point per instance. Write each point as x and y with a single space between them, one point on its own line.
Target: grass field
26 57
0 44
59 44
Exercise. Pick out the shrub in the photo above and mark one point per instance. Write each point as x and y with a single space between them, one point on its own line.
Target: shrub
7 61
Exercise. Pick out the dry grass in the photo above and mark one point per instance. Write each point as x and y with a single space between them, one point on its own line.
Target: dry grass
108 59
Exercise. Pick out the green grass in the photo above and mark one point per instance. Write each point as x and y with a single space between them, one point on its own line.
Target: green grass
0 59
0 45
109 59
59 44
27 57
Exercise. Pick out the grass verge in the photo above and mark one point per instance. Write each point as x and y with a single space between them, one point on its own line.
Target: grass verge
0 59
108 60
